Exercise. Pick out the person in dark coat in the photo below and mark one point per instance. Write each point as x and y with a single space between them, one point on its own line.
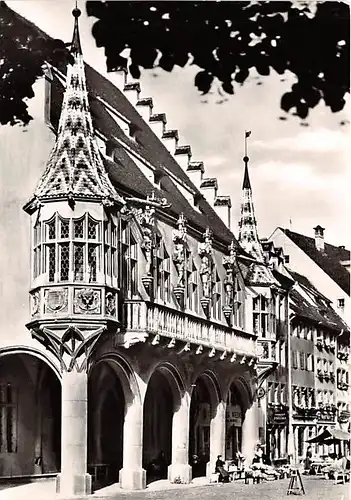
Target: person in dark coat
308 458
223 474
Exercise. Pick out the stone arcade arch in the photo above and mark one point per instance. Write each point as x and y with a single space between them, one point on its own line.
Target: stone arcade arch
30 413
162 402
206 439
234 421
112 398
241 419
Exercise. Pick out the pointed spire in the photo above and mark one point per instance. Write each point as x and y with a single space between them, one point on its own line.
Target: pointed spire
76 46
246 181
248 235
75 167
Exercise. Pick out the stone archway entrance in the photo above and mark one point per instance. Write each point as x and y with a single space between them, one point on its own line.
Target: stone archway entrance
106 410
157 427
30 416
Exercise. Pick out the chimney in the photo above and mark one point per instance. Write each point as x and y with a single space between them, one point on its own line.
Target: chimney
195 172
222 206
170 140
157 123
144 107
319 238
118 77
183 155
209 189
132 91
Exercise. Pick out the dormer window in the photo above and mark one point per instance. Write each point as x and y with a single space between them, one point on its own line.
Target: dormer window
341 303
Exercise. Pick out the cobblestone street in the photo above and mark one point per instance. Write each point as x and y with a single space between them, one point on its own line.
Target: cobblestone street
316 489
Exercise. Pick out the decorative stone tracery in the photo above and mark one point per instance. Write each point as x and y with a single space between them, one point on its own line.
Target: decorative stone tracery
72 346
206 270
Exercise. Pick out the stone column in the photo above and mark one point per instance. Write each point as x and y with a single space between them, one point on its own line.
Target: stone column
250 433
217 437
132 476
180 443
73 479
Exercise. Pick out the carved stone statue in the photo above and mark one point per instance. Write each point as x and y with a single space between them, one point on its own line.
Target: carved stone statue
229 264
205 252
179 256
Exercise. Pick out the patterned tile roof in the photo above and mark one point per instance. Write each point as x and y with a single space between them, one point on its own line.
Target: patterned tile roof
75 168
248 234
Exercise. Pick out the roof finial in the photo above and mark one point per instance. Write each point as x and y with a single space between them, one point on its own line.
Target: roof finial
247 134
246 182
76 47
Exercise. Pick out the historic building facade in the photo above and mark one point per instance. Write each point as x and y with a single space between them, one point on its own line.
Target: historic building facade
151 329
146 314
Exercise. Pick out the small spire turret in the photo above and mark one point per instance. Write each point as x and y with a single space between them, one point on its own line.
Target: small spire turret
76 46
248 235
75 168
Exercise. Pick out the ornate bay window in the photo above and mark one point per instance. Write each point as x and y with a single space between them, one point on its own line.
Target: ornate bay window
67 249
260 315
264 319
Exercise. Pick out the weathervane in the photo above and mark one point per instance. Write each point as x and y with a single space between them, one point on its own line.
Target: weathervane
247 135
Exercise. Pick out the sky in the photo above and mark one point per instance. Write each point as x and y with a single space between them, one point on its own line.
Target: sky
300 175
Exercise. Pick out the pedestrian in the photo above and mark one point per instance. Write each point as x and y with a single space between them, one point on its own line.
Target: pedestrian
223 474
308 459
257 459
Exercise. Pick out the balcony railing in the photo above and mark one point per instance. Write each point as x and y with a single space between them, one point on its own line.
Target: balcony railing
143 318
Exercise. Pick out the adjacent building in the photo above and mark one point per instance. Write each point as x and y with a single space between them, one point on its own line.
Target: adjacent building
326 266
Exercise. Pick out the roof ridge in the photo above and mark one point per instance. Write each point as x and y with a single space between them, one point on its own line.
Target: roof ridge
337 247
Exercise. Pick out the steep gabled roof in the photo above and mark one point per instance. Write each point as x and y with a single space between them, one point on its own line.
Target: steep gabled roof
320 311
328 261
124 173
